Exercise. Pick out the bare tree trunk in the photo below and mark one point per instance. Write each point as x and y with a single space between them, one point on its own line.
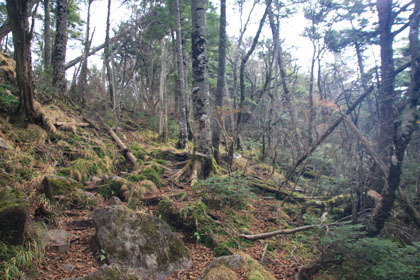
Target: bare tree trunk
220 78
18 12
47 35
82 82
182 142
60 48
107 59
163 124
242 73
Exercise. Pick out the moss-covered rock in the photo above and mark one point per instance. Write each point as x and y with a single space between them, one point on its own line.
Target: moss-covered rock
112 272
14 212
139 241
66 190
139 191
221 273
191 218
116 186
225 267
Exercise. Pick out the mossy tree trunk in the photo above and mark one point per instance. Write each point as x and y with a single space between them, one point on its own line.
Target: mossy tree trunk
18 13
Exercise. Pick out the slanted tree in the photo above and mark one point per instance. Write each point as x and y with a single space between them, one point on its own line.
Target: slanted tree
18 14
60 47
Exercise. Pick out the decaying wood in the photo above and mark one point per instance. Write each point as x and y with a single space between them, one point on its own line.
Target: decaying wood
282 231
80 124
128 155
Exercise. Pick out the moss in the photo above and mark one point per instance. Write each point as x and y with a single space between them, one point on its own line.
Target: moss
150 173
57 185
255 270
137 151
83 169
13 216
221 273
115 186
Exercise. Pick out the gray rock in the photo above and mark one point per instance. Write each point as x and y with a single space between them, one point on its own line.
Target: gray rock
139 241
113 201
4 145
59 240
111 272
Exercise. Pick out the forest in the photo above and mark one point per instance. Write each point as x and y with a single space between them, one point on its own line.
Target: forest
209 139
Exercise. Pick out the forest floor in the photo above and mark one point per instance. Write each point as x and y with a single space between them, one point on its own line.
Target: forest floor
80 259
82 153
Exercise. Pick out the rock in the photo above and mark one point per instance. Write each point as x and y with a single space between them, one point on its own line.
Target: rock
112 272
3 144
139 191
54 185
68 191
14 213
59 240
113 201
116 186
224 268
139 241
68 267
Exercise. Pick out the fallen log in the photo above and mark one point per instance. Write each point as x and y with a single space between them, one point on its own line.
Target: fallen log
127 154
81 124
285 231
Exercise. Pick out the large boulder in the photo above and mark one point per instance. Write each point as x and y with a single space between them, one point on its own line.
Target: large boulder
226 267
14 213
139 241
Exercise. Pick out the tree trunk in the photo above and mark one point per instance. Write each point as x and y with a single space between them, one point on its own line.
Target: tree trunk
107 59
82 82
60 45
163 121
220 78
47 35
18 13
183 133
403 129
242 73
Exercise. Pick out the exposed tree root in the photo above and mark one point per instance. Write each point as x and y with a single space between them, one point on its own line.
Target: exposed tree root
198 166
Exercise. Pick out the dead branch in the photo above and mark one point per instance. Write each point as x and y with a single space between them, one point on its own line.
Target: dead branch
81 124
128 155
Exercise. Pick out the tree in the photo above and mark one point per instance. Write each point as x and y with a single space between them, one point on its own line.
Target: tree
220 78
107 59
182 141
60 45
201 163
395 144
47 35
163 120
18 13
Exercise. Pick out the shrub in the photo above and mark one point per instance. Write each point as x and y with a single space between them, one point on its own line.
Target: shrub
218 192
370 258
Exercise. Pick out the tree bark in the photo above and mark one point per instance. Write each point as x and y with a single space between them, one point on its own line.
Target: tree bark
47 35
242 73
60 45
220 78
18 13
402 128
163 121
183 133
107 59
81 87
